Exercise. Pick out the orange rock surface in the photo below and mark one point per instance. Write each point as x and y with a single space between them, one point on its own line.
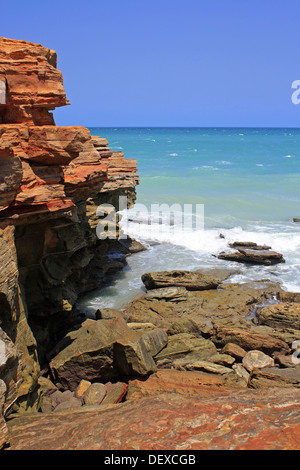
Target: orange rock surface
214 420
44 167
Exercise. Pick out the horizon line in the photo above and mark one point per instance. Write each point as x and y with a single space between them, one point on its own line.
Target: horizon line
191 127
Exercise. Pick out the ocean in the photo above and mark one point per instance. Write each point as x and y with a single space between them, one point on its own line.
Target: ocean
245 180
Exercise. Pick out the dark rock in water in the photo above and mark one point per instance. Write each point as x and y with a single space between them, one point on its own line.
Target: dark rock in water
191 280
130 246
296 219
253 256
251 245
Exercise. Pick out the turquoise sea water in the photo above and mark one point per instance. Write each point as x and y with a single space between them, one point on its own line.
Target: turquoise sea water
247 180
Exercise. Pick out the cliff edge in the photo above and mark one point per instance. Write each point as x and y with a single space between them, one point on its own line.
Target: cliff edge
52 180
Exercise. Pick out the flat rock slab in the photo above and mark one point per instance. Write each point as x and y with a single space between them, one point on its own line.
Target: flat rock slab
253 256
191 280
215 420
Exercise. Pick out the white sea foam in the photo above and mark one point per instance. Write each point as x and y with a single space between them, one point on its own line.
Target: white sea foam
209 167
174 155
207 244
223 162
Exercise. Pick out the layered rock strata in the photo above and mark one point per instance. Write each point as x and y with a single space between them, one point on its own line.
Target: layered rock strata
52 182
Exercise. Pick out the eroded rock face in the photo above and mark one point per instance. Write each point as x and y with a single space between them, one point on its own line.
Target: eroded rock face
52 181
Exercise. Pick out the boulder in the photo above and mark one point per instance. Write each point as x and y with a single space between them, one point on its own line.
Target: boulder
241 372
131 246
234 350
82 388
101 350
257 360
95 394
115 393
196 280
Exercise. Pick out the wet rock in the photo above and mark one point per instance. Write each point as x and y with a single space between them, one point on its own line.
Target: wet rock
257 360
296 219
251 245
131 246
253 256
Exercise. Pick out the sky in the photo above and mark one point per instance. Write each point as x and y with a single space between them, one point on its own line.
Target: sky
165 63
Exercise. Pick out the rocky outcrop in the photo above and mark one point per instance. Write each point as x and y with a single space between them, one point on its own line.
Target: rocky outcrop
54 182
251 253
182 366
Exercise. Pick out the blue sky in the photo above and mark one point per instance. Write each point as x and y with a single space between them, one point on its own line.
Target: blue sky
168 62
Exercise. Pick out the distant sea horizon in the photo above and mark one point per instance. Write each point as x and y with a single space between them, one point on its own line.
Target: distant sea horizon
247 178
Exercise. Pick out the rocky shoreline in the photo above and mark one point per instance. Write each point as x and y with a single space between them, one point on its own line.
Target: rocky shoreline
192 343
194 362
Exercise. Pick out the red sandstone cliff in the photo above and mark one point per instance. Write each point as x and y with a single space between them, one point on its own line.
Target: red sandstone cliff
52 179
